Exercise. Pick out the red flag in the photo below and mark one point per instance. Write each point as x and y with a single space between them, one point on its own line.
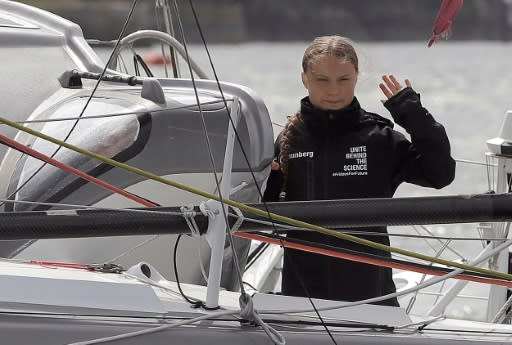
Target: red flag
443 23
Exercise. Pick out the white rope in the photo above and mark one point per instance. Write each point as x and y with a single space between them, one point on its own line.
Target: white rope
154 283
189 214
132 249
422 324
239 220
502 313
153 330
248 312
205 210
200 257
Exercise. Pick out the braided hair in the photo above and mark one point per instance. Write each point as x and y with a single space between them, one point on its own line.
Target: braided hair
289 133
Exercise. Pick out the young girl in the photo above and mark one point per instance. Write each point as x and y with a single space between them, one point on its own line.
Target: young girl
333 149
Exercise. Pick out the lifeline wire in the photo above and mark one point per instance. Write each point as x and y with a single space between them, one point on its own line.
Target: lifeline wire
371 233
107 115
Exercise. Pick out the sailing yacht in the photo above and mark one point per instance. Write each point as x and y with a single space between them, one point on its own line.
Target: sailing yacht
91 167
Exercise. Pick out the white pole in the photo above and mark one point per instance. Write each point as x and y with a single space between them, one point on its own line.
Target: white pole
498 294
454 290
217 226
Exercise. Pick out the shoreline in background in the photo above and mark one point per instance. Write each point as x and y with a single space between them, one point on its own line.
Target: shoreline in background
234 21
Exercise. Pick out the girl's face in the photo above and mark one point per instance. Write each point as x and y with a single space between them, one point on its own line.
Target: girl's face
330 82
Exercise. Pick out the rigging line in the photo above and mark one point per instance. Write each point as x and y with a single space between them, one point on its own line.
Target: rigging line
508 186
168 17
490 172
255 255
169 29
370 259
441 242
122 64
344 323
420 326
136 66
467 161
210 151
40 156
129 210
469 331
295 271
86 207
159 28
159 285
283 323
131 250
425 239
20 187
488 168
372 233
252 287
141 112
251 209
412 301
46 204
144 66
155 329
242 148
195 303
85 105
200 256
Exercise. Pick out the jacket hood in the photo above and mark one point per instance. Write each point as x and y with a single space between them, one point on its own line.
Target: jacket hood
341 120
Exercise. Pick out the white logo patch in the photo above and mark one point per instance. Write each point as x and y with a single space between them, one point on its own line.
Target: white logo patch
357 162
294 155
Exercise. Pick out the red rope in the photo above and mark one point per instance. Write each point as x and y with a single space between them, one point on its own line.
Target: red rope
36 154
60 264
368 260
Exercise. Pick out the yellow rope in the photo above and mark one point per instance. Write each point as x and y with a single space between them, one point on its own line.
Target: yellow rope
253 210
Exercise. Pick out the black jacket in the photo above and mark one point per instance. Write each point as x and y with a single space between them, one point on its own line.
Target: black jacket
351 153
